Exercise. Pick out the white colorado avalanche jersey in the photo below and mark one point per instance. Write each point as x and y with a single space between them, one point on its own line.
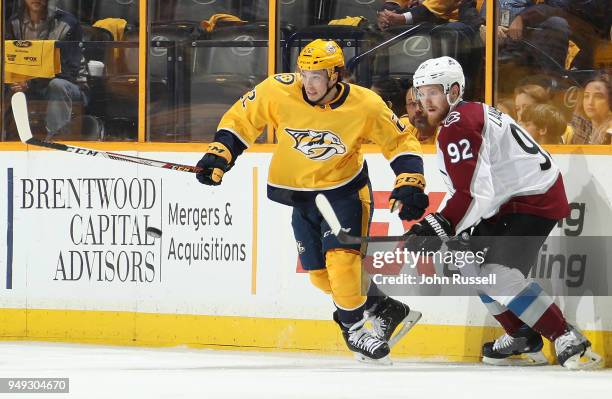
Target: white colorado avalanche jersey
492 166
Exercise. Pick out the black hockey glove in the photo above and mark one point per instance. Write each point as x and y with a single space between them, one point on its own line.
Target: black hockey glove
408 195
214 164
428 234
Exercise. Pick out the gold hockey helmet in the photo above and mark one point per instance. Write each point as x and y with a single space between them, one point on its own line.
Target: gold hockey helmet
321 54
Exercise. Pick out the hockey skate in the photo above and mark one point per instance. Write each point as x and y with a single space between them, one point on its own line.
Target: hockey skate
387 315
524 348
366 346
574 351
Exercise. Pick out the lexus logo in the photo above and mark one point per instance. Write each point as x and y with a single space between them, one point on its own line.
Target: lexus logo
159 51
243 51
417 46
571 97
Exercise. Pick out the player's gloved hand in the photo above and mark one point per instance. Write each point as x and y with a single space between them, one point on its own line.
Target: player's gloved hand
408 195
215 162
428 234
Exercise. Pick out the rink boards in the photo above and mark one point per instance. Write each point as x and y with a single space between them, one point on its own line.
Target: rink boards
77 266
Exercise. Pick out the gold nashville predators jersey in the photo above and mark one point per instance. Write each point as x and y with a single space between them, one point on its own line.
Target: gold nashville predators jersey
410 128
319 146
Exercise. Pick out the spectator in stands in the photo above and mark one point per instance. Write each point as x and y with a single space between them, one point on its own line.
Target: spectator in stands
529 94
507 10
581 21
592 121
416 121
412 12
545 123
506 105
36 20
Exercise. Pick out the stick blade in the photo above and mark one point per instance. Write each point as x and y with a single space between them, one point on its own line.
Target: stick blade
328 213
20 113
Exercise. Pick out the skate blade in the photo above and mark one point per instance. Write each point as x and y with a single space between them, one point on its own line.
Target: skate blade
408 322
526 359
588 361
385 361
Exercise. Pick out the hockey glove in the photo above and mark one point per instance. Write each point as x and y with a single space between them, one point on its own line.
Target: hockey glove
428 234
214 164
408 194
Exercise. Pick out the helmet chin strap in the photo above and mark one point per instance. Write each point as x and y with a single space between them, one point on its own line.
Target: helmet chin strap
329 88
452 104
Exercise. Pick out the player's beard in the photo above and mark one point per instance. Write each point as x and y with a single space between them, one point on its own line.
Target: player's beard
435 117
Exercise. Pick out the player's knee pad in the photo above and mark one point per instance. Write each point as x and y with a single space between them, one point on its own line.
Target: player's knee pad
320 279
508 282
345 277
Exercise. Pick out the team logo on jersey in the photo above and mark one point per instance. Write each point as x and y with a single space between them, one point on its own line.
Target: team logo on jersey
452 118
250 96
300 247
317 145
285 78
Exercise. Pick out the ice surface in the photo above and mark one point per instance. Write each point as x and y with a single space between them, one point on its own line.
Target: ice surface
133 372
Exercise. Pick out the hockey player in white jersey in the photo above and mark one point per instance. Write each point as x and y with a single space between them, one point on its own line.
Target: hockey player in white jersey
501 183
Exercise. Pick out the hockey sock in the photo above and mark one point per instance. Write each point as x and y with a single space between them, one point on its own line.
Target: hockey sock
534 307
502 314
350 317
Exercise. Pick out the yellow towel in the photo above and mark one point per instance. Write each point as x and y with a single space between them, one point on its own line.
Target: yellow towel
349 21
572 51
209 25
116 26
29 59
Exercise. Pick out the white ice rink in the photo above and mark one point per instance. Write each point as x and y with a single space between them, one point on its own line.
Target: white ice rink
127 372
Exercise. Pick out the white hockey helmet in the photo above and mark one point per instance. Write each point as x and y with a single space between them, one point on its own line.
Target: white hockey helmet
445 71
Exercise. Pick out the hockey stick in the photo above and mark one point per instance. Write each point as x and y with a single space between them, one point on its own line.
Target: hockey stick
20 112
344 237
341 233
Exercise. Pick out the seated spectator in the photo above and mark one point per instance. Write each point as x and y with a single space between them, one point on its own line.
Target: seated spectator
36 20
581 21
592 121
506 105
506 11
416 121
529 94
545 123
412 12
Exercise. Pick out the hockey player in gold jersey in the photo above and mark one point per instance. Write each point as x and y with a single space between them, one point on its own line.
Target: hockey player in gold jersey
320 124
